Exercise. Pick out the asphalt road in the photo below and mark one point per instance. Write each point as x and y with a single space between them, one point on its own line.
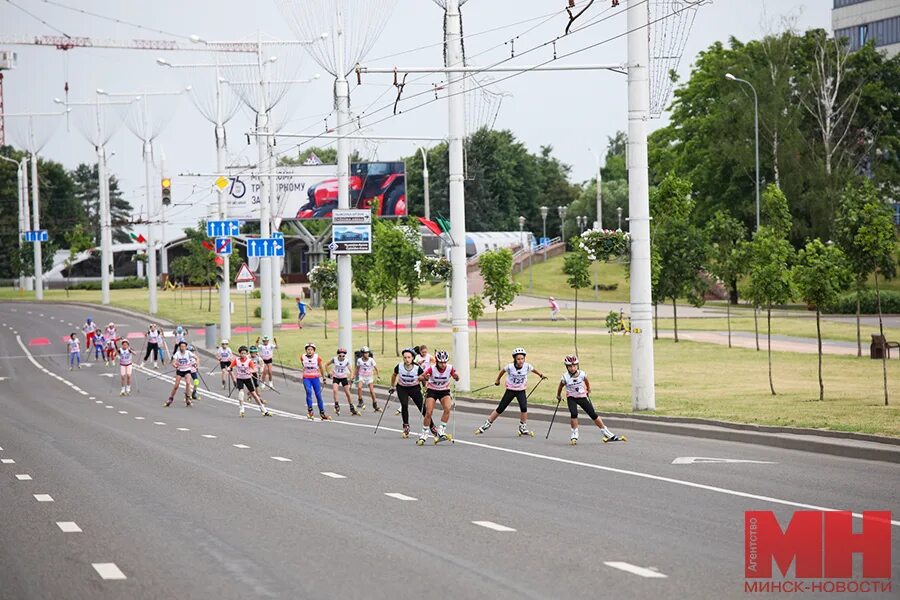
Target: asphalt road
197 503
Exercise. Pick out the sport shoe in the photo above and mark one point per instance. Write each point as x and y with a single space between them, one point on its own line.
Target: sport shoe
337 409
434 430
169 402
353 411
614 438
484 427
267 413
324 417
242 413
405 433
375 407
309 414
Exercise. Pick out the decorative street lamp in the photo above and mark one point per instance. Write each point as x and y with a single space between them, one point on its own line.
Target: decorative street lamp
544 212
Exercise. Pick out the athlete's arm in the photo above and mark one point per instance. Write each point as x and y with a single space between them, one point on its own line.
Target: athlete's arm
499 375
559 389
587 385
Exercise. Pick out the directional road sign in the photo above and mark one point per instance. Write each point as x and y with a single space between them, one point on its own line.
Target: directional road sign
36 236
223 246
244 274
264 247
278 235
225 228
245 286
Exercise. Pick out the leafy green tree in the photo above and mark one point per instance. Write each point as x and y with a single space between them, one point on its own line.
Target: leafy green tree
614 325
78 241
476 311
725 234
323 279
821 274
499 288
198 267
389 270
415 273
576 265
86 191
364 280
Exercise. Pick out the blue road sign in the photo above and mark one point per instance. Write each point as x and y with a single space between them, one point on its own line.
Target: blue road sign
223 246
277 235
37 236
225 228
264 247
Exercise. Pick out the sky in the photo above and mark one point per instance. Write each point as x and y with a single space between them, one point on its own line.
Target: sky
573 111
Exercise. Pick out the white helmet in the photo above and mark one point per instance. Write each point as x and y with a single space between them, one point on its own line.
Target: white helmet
224 342
570 359
310 345
519 350
441 356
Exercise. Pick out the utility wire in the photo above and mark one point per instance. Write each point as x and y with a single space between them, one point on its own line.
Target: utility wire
37 18
114 19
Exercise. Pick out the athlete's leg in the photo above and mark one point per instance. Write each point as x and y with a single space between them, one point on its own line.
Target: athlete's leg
317 386
307 385
522 397
403 397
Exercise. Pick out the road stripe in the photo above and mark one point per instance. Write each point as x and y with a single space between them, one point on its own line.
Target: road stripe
23 477
108 571
98 401
158 423
68 526
7 461
109 406
280 459
333 475
1 449
492 525
635 570
208 436
43 497
399 496
241 446
92 397
182 429
650 476
123 412
139 418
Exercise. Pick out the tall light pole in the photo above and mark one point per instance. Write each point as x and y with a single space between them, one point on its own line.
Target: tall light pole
146 132
619 212
561 211
544 212
425 190
599 222
731 77
21 173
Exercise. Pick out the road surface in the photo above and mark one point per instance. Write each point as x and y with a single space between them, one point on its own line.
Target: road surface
105 496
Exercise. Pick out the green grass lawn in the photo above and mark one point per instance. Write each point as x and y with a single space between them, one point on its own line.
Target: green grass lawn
549 280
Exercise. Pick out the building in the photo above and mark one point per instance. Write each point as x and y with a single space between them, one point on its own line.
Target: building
862 20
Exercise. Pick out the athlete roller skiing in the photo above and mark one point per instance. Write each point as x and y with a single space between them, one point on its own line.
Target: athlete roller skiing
195 372
126 360
366 375
406 382
340 369
313 377
241 371
267 354
516 381
437 384
224 355
182 359
90 330
154 337
578 392
74 348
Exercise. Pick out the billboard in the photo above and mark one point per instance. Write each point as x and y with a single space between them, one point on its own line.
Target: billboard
351 232
311 192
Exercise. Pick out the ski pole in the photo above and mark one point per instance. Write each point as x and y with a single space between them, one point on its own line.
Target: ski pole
282 370
264 384
547 437
484 387
388 401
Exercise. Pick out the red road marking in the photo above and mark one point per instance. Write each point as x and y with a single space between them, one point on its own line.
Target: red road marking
426 323
242 329
40 342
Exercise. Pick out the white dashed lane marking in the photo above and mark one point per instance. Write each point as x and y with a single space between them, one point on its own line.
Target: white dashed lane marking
68 526
108 571
208 436
492 525
281 459
158 423
399 496
23 477
241 446
7 461
636 570
139 418
183 429
123 412
333 475
43 497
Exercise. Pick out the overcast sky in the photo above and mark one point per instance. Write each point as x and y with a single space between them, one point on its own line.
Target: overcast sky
572 111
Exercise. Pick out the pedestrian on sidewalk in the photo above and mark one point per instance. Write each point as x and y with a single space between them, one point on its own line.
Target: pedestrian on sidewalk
437 383
554 308
301 311
340 380
74 351
578 392
516 381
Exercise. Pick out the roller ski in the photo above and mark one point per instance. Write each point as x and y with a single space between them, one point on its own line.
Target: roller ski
484 427
187 401
169 402
310 415
375 407
353 411
421 440
324 417
405 433
360 408
614 438
337 409
265 412
523 430
242 413
444 437
574 439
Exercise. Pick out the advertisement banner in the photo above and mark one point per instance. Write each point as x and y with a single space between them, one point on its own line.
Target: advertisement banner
351 232
311 191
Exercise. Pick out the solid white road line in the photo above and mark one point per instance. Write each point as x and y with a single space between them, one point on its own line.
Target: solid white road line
7 461
333 475
649 476
23 477
108 571
492 525
635 570
68 526
241 446
399 496
208 436
43 497
280 459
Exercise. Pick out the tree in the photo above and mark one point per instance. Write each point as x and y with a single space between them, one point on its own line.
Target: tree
414 274
821 274
680 244
328 156
499 288
476 310
849 222
198 266
78 241
86 191
576 265
613 324
388 269
364 280
725 234
323 279
769 261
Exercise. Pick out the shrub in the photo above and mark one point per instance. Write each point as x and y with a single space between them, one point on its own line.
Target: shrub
285 313
358 301
846 304
128 283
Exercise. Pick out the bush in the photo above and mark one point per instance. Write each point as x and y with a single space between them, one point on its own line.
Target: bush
846 304
285 313
255 295
358 301
129 283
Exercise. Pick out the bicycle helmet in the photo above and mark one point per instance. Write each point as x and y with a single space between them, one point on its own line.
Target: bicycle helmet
179 329
90 320
442 356
254 350
309 345
265 338
410 350
365 349
570 359
342 351
224 342
519 350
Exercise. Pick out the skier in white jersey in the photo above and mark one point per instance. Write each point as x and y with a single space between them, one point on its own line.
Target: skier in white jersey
340 369
241 370
406 378
154 344
516 381
182 359
224 355
126 358
578 391
437 384
366 373
267 354
90 330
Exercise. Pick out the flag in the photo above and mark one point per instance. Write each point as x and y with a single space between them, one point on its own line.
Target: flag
431 225
443 223
132 235
140 239
208 246
312 160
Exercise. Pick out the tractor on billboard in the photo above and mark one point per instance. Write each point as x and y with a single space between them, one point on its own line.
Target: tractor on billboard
381 185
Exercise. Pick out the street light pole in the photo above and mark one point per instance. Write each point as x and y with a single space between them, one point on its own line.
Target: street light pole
731 77
544 212
426 191
561 211
619 211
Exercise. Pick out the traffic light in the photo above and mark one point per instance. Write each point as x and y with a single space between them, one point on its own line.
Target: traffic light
166 191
